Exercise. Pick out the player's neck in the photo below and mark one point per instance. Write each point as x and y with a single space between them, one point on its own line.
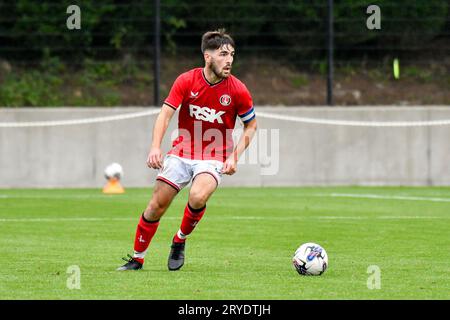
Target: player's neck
211 76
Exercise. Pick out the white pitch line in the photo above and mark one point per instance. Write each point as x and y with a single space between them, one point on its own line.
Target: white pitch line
290 218
375 196
333 195
61 219
285 218
75 196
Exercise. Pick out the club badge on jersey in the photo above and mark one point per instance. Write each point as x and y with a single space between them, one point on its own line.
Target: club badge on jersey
225 100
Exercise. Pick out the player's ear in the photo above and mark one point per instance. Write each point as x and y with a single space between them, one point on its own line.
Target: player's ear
206 56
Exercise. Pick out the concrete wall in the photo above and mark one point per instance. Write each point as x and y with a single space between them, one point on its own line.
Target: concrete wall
308 154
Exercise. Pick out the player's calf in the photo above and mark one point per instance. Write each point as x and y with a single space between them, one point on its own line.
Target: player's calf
191 218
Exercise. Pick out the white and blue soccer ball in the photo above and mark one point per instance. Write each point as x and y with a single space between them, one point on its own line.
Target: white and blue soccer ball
310 259
114 170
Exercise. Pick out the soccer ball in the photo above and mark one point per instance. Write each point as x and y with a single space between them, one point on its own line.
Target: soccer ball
114 170
310 259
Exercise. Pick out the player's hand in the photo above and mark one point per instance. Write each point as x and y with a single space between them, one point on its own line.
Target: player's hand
154 159
229 166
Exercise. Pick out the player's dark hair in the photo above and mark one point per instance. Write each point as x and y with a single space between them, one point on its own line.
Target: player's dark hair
213 40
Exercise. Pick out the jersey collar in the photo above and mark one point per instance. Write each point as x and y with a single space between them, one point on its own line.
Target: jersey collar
209 83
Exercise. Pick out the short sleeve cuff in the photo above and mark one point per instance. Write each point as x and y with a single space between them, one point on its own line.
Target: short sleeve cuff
170 105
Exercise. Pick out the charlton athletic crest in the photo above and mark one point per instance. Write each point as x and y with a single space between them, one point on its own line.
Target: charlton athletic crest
225 100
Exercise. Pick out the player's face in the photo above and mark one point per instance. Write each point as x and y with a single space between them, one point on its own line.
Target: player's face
220 61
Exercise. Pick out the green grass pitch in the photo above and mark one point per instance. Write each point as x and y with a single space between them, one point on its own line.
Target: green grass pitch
242 249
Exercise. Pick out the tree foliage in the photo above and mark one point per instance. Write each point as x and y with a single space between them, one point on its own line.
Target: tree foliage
37 29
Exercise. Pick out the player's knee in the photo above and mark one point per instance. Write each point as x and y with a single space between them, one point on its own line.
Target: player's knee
197 199
155 209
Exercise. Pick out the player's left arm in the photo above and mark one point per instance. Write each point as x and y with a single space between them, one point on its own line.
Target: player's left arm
230 164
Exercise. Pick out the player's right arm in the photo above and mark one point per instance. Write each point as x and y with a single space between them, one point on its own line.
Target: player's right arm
154 159
172 102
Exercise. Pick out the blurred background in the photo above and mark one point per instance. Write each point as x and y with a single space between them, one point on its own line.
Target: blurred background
65 84
282 51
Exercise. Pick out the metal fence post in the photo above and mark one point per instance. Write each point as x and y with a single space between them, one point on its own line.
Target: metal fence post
157 54
330 47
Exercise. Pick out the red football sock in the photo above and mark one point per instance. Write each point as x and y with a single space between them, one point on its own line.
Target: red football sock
144 234
190 219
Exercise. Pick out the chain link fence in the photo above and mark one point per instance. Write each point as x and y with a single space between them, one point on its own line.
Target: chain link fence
381 53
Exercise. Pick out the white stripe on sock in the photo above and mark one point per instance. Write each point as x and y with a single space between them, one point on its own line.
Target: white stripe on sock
181 235
140 255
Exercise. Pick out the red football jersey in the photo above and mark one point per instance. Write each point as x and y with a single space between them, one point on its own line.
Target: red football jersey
207 114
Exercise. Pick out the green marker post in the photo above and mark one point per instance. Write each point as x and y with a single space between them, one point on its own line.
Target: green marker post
396 69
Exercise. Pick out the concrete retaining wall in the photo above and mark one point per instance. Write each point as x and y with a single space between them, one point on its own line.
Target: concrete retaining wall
308 154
